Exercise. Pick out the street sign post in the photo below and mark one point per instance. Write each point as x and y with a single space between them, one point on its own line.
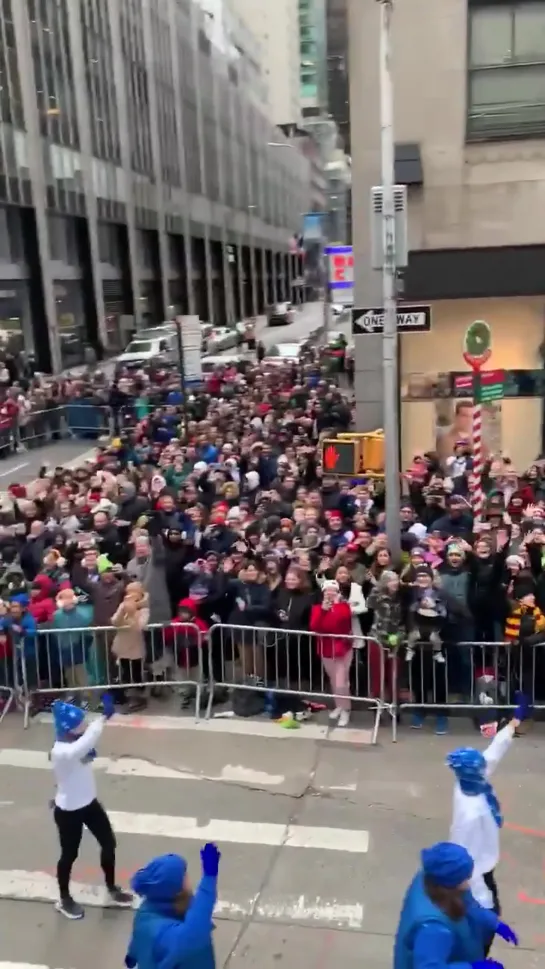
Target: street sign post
491 386
410 319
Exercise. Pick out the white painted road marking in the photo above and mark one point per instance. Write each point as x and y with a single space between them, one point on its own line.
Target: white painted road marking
37 886
249 728
133 767
18 467
241 832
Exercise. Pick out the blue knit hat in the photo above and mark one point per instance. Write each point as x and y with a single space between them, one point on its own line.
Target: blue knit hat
447 864
66 717
467 763
162 879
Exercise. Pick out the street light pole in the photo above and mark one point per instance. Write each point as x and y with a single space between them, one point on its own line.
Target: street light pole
389 267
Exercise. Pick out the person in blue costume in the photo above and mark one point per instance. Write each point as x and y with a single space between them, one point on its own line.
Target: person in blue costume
173 927
441 924
76 805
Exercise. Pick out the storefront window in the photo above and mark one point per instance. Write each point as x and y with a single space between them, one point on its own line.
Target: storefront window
442 385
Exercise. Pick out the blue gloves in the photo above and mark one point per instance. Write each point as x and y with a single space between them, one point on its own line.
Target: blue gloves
108 705
506 933
486 964
523 709
210 858
129 961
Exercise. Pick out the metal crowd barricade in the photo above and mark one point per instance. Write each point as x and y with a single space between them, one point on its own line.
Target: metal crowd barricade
83 662
8 682
287 662
81 420
480 678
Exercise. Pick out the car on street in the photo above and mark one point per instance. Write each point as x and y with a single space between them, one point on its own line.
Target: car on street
281 353
161 349
281 314
222 338
209 363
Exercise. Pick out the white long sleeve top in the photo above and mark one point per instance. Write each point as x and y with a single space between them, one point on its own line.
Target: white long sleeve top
473 825
76 785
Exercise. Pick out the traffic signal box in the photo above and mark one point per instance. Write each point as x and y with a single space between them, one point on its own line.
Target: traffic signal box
354 454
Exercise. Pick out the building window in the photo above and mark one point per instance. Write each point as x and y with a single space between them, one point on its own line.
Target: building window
506 63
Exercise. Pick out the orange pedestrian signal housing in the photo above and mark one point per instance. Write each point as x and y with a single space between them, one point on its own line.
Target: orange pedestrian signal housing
354 453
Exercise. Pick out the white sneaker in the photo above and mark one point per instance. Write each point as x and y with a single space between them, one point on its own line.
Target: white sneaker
335 714
344 718
439 658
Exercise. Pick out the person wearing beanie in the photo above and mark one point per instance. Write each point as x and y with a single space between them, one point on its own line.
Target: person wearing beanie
76 805
476 812
525 619
441 923
173 926
426 615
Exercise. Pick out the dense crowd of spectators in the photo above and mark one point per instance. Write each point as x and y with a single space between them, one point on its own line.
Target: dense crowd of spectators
208 537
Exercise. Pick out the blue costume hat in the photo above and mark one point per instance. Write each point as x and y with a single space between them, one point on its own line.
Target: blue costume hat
162 879
447 864
469 765
66 717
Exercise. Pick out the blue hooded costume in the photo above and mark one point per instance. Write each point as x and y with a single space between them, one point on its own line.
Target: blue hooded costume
426 936
161 937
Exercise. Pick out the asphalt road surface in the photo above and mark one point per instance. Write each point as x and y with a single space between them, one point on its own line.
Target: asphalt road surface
24 467
319 840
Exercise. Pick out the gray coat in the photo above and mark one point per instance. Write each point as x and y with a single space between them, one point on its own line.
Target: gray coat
151 573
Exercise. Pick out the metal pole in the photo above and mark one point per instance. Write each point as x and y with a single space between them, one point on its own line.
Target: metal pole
389 339
181 368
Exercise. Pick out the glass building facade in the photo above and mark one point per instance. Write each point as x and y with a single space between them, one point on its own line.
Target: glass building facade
137 178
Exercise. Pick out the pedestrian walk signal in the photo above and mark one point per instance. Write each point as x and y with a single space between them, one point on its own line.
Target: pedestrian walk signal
340 457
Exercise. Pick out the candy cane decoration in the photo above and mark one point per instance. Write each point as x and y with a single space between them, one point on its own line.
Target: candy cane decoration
477 495
477 351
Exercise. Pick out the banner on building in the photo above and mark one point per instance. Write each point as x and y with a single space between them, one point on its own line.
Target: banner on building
340 274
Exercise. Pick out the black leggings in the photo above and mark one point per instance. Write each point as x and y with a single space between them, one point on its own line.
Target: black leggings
490 882
70 825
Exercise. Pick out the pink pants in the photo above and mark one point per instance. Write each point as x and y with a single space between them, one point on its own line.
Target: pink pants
338 671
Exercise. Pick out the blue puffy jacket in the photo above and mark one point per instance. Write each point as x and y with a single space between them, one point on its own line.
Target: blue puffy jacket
162 939
428 939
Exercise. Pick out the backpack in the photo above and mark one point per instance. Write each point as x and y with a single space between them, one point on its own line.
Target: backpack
247 702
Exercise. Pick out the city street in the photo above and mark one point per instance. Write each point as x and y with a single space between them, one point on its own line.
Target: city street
24 467
318 842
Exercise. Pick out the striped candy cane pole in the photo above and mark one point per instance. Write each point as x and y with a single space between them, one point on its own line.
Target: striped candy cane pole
477 487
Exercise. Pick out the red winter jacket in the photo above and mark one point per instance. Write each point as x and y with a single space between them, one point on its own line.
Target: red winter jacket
42 606
183 638
327 622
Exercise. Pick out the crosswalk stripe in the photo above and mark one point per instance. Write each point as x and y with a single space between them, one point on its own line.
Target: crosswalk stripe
231 725
133 767
37 886
23 965
241 832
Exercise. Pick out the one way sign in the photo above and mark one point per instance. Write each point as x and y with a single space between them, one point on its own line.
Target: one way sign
410 319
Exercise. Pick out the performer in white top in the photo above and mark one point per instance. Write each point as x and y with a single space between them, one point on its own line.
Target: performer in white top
476 815
76 805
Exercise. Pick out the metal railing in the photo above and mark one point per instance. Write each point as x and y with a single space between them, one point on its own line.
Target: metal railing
478 678
280 662
37 429
83 662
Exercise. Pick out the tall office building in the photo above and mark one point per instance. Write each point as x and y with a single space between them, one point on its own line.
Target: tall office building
313 57
137 177
337 67
276 28
469 125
